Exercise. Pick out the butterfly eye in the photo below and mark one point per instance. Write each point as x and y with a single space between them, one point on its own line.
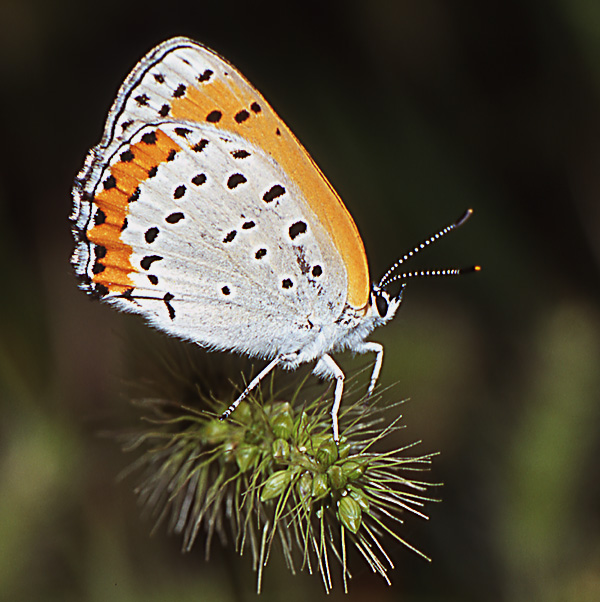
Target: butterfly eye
382 305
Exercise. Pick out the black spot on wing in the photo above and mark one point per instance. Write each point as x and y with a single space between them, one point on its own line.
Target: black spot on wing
179 91
109 183
241 116
214 116
167 299
235 180
174 217
98 268
273 193
205 75
149 138
127 156
297 229
151 234
135 195
200 146
100 290
99 217
148 260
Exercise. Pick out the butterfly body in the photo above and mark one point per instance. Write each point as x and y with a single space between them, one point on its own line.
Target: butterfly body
201 211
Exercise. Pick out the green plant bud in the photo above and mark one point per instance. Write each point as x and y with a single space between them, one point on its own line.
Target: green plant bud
216 431
229 449
243 413
282 422
327 453
276 484
320 486
316 440
361 497
280 449
354 469
343 449
336 477
304 487
349 513
245 456
305 422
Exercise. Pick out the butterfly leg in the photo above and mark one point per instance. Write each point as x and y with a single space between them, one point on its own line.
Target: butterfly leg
377 349
286 357
327 368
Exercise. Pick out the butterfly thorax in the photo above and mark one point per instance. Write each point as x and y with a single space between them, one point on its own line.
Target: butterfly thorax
350 329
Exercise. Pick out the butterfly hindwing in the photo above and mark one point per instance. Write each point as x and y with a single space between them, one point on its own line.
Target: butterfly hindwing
210 240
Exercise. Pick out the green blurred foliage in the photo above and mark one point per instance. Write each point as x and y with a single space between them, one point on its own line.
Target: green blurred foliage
415 110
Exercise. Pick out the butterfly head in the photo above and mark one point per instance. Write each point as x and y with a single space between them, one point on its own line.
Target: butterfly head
383 305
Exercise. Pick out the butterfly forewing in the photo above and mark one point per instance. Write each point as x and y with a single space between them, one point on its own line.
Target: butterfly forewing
182 81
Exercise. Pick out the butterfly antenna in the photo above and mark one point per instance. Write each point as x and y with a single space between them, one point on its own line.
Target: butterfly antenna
433 273
418 248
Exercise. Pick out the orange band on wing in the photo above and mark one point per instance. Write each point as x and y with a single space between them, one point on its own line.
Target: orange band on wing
113 265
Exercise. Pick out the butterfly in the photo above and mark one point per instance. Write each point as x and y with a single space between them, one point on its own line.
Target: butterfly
201 211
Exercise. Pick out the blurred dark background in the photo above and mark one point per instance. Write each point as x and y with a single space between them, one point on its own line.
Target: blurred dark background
416 110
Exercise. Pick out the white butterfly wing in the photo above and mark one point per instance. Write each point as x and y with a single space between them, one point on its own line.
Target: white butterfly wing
224 250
